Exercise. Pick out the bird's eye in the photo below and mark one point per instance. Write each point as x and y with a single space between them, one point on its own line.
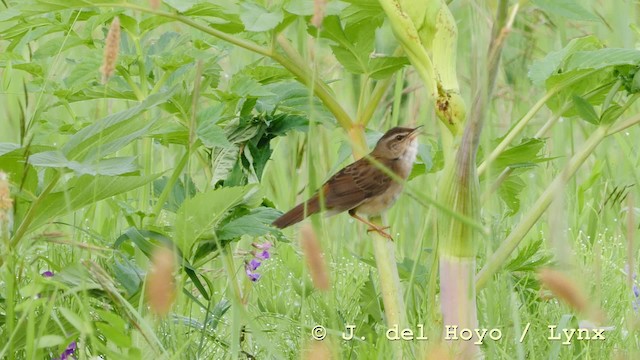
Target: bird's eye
399 137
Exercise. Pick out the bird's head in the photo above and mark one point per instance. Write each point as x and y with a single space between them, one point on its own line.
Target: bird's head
397 143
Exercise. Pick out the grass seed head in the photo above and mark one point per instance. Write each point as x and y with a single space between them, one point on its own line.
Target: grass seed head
313 256
318 350
155 4
318 12
111 50
564 288
161 290
6 203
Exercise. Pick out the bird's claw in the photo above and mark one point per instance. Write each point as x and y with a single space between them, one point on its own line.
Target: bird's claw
381 231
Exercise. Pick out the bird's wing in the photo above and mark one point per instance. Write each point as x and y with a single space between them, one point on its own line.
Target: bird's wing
353 185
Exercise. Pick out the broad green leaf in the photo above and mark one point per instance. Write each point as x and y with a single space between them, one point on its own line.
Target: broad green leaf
268 74
541 69
611 114
256 223
527 152
112 132
258 19
595 83
570 9
223 161
116 336
109 167
58 45
212 135
83 191
354 42
46 341
178 194
243 85
6 148
75 320
384 66
128 275
199 215
585 110
602 58
509 191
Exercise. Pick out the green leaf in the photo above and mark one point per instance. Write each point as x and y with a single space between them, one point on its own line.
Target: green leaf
116 336
178 194
258 19
83 191
128 275
354 43
46 341
75 320
198 215
109 167
570 9
509 192
585 110
112 132
6 148
602 58
384 66
527 152
542 69
223 162
256 223
611 114
212 135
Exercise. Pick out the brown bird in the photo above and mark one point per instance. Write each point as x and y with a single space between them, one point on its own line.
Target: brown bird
362 187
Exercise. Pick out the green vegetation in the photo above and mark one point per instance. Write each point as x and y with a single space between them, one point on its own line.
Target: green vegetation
191 125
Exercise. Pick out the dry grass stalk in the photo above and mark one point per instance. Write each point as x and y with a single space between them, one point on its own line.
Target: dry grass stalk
318 12
313 256
564 288
161 289
111 50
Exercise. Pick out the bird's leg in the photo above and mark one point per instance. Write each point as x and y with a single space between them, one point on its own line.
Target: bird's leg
372 227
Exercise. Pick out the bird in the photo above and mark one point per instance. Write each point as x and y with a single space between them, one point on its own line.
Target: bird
363 187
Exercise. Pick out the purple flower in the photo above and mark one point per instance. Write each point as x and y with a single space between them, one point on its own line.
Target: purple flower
264 246
636 291
253 264
68 352
47 274
263 255
252 276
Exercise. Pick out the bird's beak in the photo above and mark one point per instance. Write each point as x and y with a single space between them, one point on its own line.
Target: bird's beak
415 132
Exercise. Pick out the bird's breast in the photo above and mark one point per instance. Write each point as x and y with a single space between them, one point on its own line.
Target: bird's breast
405 163
378 204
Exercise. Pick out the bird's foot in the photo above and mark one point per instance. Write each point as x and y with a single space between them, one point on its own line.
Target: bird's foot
381 230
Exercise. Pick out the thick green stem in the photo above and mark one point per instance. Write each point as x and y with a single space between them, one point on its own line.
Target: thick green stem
392 293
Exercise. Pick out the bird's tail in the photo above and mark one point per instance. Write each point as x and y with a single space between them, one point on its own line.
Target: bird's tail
298 213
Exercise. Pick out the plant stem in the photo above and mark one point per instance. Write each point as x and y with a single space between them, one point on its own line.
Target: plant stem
517 129
511 242
392 294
